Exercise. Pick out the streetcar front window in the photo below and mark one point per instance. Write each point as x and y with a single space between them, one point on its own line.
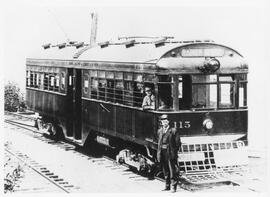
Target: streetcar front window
242 90
204 91
216 91
227 91
204 96
242 95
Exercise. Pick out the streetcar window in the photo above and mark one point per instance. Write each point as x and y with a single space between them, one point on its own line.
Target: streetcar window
165 98
204 79
101 74
184 92
128 89
31 79
41 80
110 90
118 75
225 78
149 89
242 77
204 91
119 91
226 95
37 80
27 78
204 96
128 93
138 77
109 75
164 78
149 77
85 84
46 82
93 73
242 90
242 95
70 80
226 92
128 76
57 82
180 88
94 88
101 89
138 94
51 82
62 80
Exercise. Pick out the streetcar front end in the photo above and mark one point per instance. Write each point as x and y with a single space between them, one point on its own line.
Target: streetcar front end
204 89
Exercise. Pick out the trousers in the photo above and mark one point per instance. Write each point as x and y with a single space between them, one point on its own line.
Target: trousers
169 167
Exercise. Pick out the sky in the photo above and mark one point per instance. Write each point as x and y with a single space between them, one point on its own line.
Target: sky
242 25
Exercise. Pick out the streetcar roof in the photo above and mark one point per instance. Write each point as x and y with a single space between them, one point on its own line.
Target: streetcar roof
139 53
114 52
148 53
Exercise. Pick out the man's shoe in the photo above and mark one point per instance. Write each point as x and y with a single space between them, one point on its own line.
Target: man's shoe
166 189
173 189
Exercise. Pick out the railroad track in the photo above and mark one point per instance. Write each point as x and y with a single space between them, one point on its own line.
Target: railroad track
43 172
30 130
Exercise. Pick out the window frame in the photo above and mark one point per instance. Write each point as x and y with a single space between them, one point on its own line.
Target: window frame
118 94
62 81
85 80
233 96
163 81
242 79
128 91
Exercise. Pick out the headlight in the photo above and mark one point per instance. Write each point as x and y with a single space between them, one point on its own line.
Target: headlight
208 124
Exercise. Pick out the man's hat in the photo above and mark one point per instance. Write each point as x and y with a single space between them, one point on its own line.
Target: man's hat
163 117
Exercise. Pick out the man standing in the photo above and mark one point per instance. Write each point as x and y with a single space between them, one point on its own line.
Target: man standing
168 146
148 100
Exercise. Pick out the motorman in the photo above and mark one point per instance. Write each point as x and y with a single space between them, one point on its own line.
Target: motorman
167 153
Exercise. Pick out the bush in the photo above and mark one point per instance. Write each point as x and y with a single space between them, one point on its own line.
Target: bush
13 171
14 99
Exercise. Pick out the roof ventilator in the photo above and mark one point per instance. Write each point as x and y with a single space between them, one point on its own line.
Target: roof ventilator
104 44
72 42
130 43
160 42
61 46
46 46
79 45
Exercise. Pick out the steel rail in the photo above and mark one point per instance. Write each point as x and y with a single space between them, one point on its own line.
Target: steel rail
37 171
24 126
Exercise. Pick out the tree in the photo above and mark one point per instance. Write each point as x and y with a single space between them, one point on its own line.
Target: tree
14 99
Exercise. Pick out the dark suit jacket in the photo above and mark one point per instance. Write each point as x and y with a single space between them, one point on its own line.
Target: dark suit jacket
173 146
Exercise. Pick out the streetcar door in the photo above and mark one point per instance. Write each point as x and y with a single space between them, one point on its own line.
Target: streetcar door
74 103
69 106
77 104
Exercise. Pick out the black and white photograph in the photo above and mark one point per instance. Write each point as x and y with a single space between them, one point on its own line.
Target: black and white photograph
134 98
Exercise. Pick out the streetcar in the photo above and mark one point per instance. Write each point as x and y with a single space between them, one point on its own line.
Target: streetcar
93 95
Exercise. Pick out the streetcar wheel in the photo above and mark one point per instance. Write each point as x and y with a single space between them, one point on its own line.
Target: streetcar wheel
57 132
38 123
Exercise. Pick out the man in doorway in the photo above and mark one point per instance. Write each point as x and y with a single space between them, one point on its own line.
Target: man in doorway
167 153
148 100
